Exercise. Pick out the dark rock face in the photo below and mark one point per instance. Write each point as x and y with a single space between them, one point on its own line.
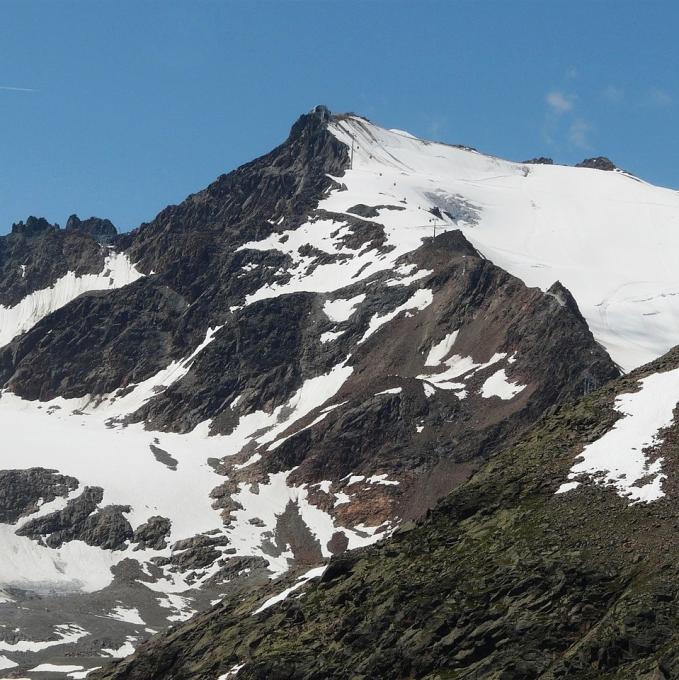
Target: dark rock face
540 160
293 532
256 355
364 210
81 520
233 568
97 343
163 457
23 491
37 253
280 187
503 579
33 226
145 326
152 534
597 163
101 230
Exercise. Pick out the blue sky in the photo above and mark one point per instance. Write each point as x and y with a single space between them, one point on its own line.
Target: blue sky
123 107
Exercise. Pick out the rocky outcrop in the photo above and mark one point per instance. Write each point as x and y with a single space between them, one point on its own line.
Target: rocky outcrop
33 226
102 230
23 492
255 355
135 328
597 163
276 191
83 520
36 253
540 160
152 534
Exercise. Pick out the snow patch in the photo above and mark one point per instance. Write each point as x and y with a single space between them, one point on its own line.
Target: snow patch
454 367
126 648
6 663
441 350
342 310
393 390
382 479
67 634
54 668
406 280
618 458
181 606
498 385
341 498
330 336
312 573
80 675
232 673
419 300
118 271
568 486
126 615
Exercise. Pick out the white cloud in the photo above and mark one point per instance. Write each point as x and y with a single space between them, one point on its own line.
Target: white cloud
659 97
612 93
559 102
578 133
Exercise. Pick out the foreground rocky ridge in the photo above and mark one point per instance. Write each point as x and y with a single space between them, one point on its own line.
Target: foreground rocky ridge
504 579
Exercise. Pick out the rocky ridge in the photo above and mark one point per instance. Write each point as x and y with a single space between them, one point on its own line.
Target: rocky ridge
36 254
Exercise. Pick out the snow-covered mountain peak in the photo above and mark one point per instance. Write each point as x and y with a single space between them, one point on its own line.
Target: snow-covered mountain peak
607 236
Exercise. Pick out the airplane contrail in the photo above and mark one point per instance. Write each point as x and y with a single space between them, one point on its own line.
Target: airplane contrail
9 88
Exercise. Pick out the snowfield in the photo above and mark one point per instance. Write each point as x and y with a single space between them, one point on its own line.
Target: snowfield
78 438
610 238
